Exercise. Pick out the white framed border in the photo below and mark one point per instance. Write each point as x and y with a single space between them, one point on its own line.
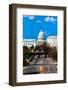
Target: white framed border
41 77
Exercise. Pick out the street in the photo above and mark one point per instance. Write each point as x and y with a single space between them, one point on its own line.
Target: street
41 65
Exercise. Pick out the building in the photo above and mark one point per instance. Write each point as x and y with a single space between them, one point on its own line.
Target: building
29 42
41 38
52 41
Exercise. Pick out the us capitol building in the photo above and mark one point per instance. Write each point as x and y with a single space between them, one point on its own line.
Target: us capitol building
51 40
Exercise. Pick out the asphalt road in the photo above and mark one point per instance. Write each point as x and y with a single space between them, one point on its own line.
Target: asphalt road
42 65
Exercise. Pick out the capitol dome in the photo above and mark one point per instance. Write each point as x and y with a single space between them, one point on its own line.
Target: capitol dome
41 37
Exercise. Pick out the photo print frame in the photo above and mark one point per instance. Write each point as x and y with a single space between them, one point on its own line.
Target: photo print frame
37 44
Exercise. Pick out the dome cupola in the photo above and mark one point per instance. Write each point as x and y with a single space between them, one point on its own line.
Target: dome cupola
41 37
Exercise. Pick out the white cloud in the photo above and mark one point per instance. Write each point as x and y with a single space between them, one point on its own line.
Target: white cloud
50 19
47 19
31 17
39 21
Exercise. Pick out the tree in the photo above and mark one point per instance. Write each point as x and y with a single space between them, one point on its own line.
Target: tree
26 52
45 48
53 53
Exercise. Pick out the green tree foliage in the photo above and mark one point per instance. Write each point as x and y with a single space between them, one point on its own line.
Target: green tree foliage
45 47
29 53
26 52
53 53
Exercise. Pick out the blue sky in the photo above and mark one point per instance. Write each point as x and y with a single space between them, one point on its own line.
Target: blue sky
33 24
